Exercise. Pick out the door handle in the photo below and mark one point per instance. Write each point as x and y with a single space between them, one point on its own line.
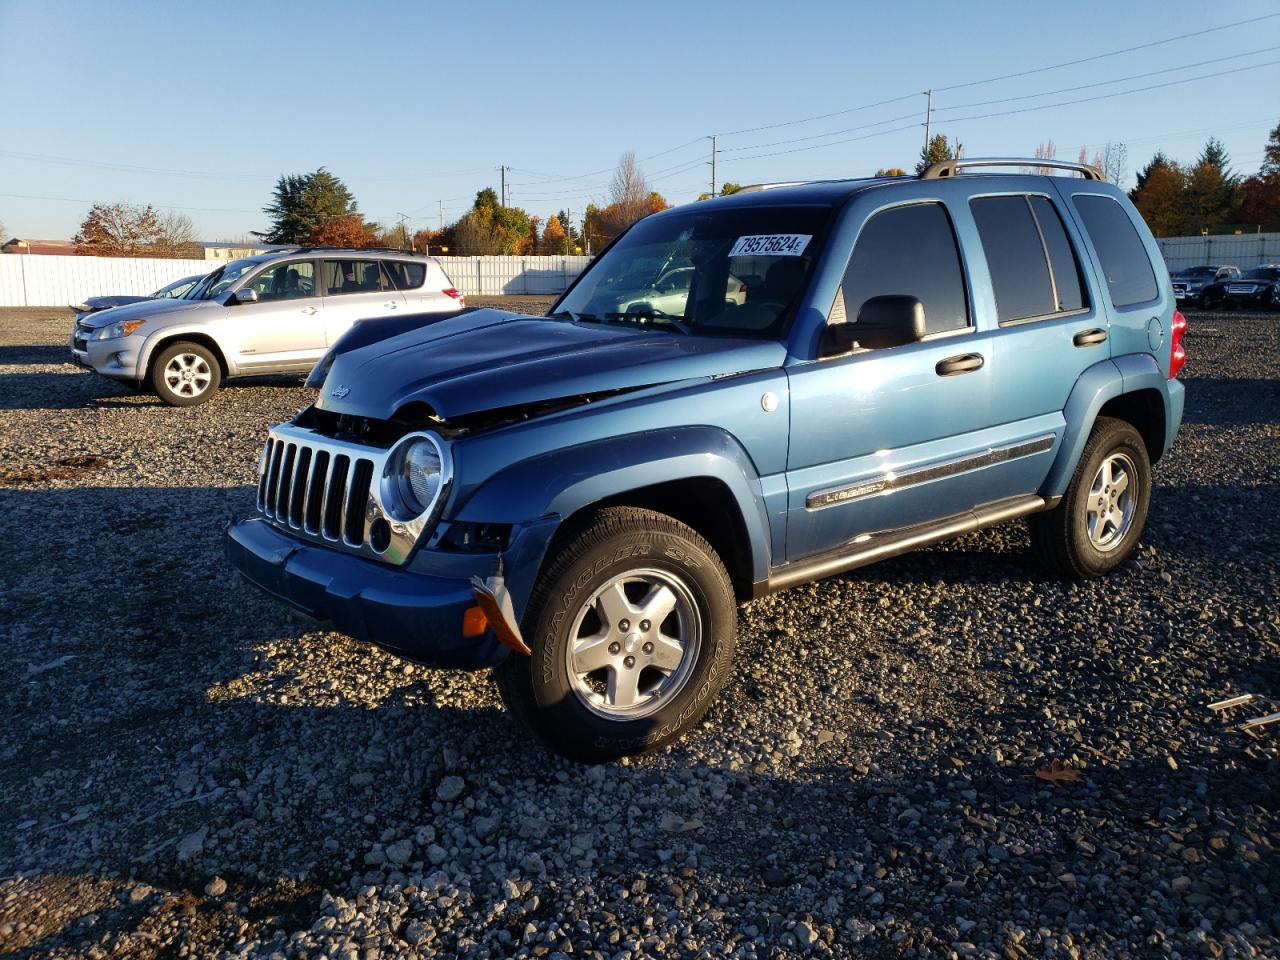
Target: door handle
391 305
308 310
1089 338
965 363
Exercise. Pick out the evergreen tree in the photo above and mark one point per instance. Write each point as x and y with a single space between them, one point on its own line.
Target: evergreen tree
1213 192
303 203
937 149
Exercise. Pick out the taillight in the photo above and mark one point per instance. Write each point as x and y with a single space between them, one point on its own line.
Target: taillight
742 288
1177 352
456 294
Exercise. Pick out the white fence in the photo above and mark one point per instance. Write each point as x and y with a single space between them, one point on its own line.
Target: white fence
34 281
495 276
38 281
1244 250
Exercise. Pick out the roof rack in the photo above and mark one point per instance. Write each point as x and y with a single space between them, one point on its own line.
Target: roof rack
407 253
949 168
757 187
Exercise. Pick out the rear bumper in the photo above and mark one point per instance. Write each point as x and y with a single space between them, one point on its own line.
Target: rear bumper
418 617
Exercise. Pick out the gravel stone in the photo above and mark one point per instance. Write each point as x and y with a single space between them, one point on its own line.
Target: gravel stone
865 786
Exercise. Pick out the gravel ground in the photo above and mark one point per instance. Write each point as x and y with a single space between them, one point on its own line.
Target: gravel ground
188 770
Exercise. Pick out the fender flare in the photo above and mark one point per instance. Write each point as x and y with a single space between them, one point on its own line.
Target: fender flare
562 482
154 340
1098 384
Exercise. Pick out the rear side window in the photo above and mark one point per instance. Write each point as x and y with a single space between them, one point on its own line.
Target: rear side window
912 251
1062 259
353 276
405 276
1032 266
1124 259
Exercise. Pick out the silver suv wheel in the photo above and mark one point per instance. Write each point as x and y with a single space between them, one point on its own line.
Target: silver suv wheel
188 375
633 644
1110 503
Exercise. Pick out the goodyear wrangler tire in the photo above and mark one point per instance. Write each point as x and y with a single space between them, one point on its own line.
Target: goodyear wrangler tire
632 628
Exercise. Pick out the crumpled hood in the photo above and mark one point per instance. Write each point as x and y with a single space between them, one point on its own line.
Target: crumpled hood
489 359
105 303
142 310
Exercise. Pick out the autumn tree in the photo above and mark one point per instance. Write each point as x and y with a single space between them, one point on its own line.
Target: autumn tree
304 202
891 172
1260 194
490 229
1213 191
601 225
554 238
350 232
176 237
936 150
1159 196
118 230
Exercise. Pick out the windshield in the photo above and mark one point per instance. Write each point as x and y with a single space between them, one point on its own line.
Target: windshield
715 272
1263 273
176 289
219 280
1200 272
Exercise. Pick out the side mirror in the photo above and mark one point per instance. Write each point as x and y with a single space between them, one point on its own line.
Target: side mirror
245 295
889 321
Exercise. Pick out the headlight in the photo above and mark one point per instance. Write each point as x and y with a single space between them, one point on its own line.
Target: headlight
414 477
114 330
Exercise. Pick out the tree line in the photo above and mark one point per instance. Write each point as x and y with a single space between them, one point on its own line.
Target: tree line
318 209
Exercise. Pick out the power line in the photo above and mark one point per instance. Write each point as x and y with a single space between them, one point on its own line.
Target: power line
1103 83
1113 53
1118 93
821 116
819 136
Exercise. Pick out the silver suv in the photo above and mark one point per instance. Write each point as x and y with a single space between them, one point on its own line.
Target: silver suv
275 313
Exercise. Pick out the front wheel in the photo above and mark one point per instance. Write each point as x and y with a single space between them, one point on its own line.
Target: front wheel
185 374
632 629
1096 525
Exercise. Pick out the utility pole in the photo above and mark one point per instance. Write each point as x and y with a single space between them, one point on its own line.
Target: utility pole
568 229
928 118
713 164
404 233
441 205
502 197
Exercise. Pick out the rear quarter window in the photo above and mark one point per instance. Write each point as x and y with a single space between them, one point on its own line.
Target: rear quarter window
1130 278
406 276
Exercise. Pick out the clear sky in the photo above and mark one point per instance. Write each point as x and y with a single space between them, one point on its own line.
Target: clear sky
201 106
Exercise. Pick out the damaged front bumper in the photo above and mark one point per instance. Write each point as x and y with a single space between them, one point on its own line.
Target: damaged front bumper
415 614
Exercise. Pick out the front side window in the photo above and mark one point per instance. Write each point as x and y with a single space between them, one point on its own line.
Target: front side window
291 280
1130 278
910 251
736 272
1032 266
353 276
1263 273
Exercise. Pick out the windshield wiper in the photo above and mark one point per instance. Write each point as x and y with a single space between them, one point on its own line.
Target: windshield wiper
575 317
639 317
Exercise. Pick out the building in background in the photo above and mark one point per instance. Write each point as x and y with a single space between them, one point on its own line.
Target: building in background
45 248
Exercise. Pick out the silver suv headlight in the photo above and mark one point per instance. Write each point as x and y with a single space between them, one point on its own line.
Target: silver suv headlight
113 331
414 476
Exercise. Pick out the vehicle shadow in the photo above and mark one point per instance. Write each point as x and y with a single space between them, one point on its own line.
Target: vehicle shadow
33 353
81 388
1229 401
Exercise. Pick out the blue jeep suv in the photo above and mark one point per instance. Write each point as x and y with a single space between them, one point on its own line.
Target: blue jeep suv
580 500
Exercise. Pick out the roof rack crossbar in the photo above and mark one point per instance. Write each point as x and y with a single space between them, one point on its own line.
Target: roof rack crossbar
407 253
949 168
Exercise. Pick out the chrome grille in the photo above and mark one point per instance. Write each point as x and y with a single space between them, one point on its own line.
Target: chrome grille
318 491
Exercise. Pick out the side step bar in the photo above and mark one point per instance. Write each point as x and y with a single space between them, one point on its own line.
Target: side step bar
890 543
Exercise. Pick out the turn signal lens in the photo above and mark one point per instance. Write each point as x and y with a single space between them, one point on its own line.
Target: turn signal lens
474 622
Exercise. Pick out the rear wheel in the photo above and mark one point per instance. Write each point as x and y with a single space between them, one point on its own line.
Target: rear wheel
632 629
185 374
1099 520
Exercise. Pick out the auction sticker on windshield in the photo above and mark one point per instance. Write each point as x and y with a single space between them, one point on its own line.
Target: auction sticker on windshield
771 245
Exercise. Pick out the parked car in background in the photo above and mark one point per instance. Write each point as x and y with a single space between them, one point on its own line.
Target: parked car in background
170 291
1256 289
580 500
273 313
1190 282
